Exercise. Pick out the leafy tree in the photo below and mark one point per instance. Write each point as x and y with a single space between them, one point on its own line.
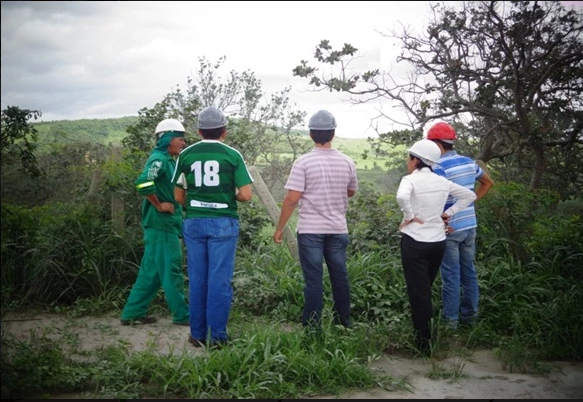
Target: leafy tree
19 139
258 123
507 74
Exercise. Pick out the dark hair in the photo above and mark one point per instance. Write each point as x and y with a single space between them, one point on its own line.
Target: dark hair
420 164
446 145
322 136
212 133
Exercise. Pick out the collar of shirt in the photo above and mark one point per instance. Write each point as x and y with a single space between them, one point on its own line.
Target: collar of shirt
422 170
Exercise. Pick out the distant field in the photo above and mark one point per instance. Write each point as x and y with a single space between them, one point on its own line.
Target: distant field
372 169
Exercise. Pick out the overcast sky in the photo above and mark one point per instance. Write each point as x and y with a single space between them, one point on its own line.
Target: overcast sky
104 59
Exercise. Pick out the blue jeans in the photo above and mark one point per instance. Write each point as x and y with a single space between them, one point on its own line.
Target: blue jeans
459 277
211 245
313 250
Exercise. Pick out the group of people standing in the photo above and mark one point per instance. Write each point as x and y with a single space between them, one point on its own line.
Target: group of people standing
193 193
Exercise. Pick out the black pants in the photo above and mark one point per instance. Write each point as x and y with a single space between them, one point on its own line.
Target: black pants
421 261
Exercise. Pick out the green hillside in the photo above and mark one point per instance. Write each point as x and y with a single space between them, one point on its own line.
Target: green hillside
112 131
100 131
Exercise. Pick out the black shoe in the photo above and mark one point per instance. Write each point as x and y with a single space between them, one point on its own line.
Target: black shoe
196 342
143 320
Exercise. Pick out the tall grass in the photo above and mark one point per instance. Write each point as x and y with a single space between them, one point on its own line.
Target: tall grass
62 255
263 362
65 258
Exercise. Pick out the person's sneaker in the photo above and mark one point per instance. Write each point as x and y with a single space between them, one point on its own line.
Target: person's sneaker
197 343
187 322
449 324
143 320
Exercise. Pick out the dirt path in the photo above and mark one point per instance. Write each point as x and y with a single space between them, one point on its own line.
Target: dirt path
481 375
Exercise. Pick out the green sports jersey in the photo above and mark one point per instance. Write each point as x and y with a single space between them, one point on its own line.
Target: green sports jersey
211 171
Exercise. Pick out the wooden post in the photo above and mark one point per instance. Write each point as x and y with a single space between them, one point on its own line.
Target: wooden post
273 210
117 205
482 165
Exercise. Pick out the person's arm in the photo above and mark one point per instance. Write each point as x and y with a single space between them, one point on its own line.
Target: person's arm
404 193
290 202
244 193
350 193
180 195
464 197
486 184
180 189
146 185
160 206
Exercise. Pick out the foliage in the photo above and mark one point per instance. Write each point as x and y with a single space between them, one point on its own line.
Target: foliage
40 365
253 218
373 221
19 139
60 251
69 170
261 363
506 74
532 306
528 226
57 255
87 131
258 123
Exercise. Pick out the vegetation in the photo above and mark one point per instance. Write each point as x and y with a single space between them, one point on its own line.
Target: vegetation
19 140
71 239
507 75
65 257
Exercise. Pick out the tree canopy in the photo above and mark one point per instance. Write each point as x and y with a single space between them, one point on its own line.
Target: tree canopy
258 122
507 75
19 139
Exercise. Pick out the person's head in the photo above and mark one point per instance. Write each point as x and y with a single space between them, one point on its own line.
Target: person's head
170 135
212 123
322 127
424 153
443 134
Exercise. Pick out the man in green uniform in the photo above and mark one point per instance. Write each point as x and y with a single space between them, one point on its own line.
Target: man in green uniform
161 264
210 178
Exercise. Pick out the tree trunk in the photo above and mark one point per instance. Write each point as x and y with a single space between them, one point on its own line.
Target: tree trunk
538 169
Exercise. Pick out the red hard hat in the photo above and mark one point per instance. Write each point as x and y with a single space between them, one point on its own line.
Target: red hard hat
441 131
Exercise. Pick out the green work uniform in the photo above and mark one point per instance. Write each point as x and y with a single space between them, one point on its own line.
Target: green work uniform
161 265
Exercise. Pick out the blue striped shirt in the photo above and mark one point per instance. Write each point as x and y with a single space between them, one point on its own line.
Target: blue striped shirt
463 171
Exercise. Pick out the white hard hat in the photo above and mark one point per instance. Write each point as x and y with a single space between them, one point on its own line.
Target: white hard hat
427 151
210 117
168 125
322 120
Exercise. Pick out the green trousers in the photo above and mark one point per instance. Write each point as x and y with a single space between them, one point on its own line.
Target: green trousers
161 267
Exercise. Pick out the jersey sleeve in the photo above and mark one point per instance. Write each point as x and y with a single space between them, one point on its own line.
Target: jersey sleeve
242 175
479 171
178 177
146 182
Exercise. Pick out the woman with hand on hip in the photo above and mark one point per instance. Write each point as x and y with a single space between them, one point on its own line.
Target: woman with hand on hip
421 196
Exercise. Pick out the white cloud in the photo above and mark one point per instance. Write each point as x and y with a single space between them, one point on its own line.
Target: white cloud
75 60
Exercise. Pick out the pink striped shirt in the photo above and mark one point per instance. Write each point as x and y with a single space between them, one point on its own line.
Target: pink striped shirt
323 176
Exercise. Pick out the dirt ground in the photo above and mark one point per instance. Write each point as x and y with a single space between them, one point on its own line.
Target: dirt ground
483 376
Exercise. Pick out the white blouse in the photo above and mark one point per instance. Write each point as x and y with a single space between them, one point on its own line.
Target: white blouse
422 195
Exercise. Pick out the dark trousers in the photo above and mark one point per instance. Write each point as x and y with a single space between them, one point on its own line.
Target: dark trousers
421 261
